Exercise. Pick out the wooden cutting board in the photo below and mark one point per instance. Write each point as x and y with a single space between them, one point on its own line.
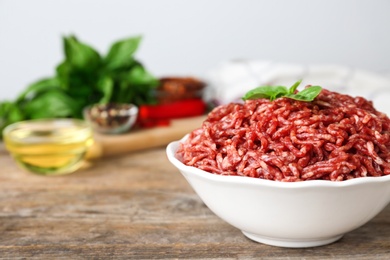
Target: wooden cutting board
110 145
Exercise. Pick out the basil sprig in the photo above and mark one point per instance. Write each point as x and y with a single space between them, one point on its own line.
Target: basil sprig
274 92
84 77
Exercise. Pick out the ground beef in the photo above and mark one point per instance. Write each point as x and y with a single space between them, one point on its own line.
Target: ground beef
335 137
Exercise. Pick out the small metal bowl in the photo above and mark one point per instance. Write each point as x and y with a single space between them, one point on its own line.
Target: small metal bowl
112 118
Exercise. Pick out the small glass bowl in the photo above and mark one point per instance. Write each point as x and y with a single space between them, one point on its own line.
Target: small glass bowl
111 118
49 146
173 89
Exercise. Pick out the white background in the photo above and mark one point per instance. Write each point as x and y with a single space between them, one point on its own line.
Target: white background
190 37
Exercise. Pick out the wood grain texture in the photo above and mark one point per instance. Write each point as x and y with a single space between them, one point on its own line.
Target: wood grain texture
112 145
138 206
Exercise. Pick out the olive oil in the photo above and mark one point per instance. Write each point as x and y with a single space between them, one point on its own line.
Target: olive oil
49 147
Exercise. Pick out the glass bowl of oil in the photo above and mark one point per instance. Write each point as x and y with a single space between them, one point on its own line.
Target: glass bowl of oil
49 146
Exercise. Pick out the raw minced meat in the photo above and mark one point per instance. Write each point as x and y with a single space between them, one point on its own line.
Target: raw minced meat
335 137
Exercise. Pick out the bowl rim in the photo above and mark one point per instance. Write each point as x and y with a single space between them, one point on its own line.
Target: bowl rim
132 109
51 124
56 122
173 146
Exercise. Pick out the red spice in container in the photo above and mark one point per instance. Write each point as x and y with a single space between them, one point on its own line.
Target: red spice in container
336 137
177 97
172 89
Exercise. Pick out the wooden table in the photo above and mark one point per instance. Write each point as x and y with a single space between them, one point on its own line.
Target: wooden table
138 206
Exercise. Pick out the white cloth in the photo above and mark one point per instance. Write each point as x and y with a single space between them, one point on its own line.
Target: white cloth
230 80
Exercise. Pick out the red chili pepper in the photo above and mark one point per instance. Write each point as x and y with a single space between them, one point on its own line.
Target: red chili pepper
157 115
178 109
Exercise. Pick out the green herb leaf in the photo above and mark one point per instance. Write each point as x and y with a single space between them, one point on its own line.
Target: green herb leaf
274 92
269 92
38 87
63 71
106 87
121 53
294 87
51 104
80 55
139 76
81 79
308 94
9 113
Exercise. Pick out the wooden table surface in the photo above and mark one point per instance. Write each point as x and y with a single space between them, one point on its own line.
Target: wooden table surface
138 206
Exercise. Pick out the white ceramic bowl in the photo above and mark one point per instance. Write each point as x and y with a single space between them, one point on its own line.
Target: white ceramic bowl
298 214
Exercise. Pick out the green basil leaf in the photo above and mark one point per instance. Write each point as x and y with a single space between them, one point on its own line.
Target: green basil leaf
84 78
138 75
274 92
51 104
294 87
10 113
38 87
308 94
15 114
79 85
63 71
4 107
134 85
80 55
106 87
269 92
121 53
